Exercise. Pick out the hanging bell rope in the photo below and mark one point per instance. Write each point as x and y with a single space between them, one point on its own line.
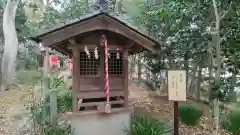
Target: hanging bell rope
107 106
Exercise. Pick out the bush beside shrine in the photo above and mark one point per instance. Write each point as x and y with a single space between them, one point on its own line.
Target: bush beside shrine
189 114
64 100
146 124
232 122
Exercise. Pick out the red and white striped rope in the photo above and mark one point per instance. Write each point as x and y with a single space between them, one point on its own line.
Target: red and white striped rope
106 72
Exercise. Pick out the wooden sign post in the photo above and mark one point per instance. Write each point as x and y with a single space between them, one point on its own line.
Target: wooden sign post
176 92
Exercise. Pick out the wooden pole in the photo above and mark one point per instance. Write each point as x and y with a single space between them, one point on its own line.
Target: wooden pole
45 89
125 82
45 78
75 79
53 107
176 93
176 117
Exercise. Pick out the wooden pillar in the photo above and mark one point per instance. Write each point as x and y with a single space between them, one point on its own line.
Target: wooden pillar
53 109
75 78
45 73
125 72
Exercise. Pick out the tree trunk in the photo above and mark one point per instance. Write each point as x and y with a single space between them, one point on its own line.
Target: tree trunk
45 78
1 54
86 6
186 67
192 80
217 42
210 71
198 85
234 80
118 7
132 66
8 65
139 67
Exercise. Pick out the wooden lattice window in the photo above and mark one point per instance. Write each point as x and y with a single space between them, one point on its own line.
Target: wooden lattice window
89 65
115 63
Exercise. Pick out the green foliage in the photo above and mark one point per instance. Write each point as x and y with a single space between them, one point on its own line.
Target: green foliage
225 92
59 130
40 113
189 114
73 9
41 116
186 29
146 124
232 123
224 121
64 100
56 82
27 62
28 77
64 96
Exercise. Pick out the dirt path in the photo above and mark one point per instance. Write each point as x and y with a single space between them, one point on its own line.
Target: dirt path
13 112
162 109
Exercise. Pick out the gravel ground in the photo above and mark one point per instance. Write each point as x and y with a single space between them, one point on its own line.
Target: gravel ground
13 113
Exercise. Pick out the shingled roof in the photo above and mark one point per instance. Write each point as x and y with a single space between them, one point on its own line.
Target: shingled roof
124 20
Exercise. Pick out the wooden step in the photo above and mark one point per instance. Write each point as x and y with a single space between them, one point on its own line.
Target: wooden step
93 89
84 95
97 103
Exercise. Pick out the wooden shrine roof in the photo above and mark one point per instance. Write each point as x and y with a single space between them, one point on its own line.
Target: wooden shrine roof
147 41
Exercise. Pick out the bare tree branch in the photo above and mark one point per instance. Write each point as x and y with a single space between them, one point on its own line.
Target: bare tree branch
224 36
226 11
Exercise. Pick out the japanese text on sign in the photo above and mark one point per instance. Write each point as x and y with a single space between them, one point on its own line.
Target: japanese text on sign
177 85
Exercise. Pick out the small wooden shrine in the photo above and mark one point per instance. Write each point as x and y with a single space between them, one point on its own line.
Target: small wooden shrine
85 40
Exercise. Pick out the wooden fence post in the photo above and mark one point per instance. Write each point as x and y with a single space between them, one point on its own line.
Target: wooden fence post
53 108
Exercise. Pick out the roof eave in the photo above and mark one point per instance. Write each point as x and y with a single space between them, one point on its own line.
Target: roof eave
36 39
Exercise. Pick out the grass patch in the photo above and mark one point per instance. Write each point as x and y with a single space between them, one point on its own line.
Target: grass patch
146 124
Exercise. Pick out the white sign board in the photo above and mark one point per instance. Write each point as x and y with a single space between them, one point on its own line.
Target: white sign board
177 85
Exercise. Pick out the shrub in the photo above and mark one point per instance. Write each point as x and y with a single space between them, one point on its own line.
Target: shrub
224 120
232 123
189 114
146 124
40 113
59 130
64 100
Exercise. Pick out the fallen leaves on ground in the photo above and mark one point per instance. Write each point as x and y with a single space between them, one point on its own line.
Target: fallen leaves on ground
162 109
11 109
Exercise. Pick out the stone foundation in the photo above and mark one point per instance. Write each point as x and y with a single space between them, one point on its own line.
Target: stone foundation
102 124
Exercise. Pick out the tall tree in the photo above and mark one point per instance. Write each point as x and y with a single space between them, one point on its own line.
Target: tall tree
217 40
8 65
